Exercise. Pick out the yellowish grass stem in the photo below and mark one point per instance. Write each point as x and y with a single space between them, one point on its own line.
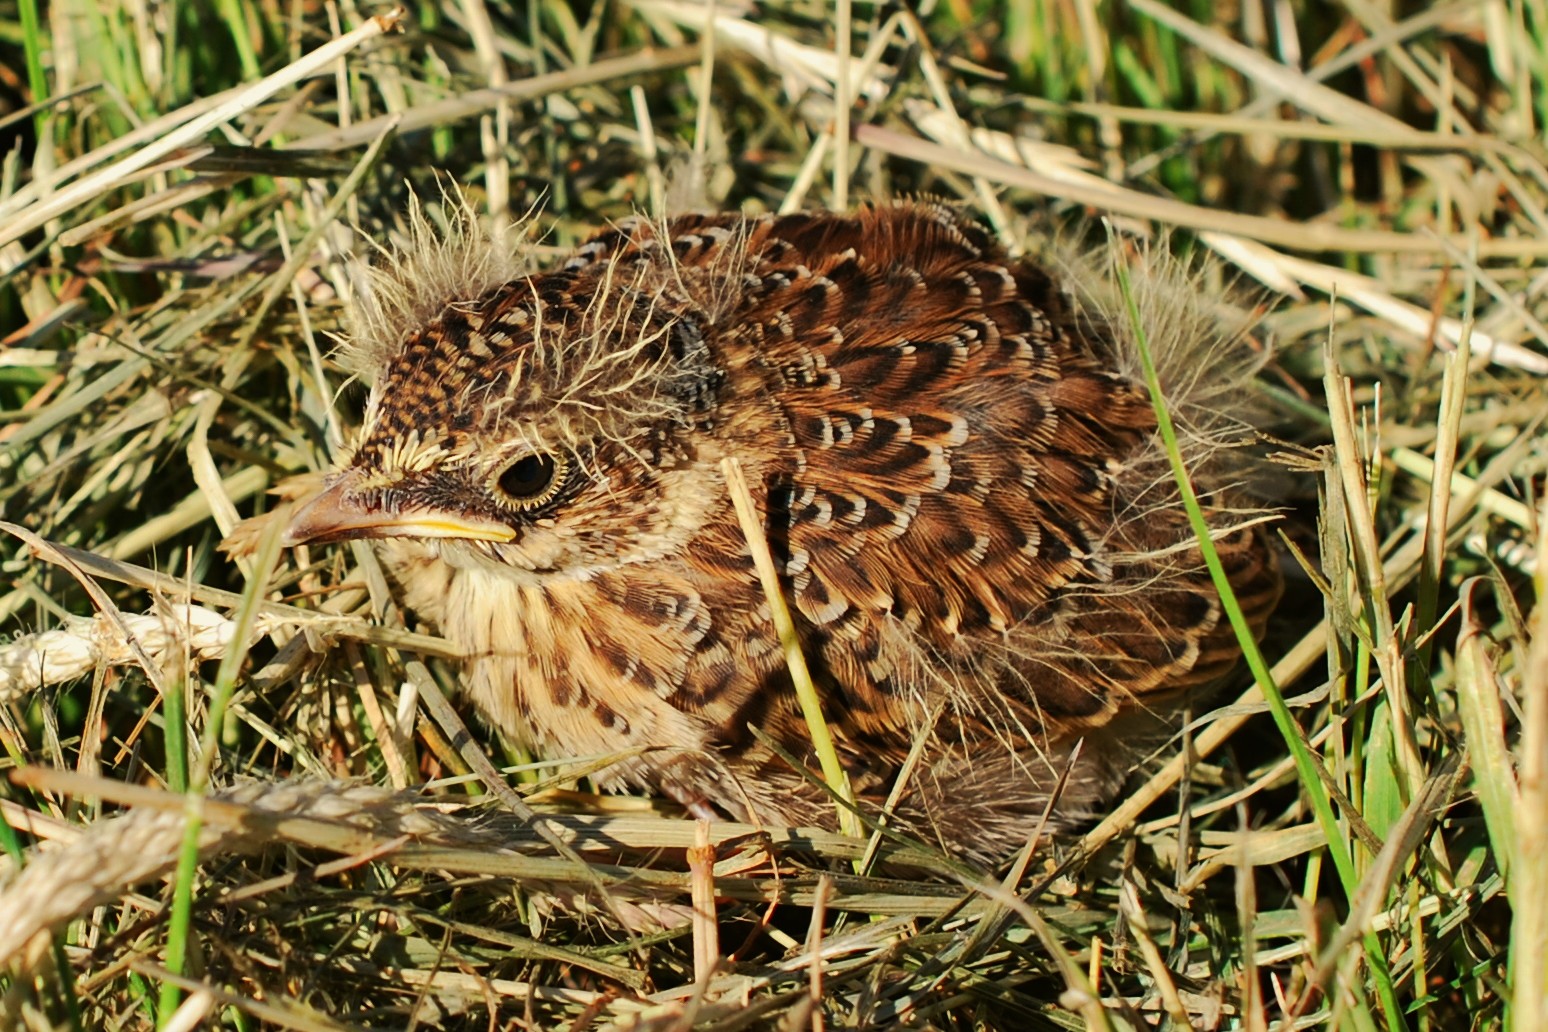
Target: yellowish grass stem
806 692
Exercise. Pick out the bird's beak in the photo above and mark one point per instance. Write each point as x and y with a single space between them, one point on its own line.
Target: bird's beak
338 515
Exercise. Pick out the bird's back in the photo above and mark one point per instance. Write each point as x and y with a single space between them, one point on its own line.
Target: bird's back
977 527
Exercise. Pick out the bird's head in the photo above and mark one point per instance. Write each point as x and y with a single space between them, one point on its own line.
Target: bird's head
545 424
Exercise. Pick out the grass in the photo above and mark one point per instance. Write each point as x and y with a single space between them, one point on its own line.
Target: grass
179 193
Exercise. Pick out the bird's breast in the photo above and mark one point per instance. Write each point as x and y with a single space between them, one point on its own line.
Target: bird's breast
577 668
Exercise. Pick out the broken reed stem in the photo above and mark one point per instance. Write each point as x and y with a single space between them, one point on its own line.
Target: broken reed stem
843 90
701 884
1448 430
1529 893
1385 645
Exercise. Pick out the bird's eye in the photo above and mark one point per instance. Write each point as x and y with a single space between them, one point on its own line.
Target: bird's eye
531 481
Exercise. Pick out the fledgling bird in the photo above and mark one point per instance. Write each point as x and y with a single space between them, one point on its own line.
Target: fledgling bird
961 482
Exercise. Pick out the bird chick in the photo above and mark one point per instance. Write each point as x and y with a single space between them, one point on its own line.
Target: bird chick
975 526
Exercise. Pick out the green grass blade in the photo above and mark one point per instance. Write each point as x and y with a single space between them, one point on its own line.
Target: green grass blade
1308 769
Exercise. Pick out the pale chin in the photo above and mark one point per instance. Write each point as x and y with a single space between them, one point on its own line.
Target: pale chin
528 563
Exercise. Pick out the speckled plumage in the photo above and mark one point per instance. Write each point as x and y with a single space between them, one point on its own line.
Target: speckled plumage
978 535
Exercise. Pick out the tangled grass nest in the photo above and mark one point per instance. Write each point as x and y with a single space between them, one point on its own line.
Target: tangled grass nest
236 791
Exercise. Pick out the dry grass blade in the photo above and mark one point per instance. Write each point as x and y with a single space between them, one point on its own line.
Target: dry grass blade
1120 201
83 644
1529 933
144 845
1483 717
811 706
91 186
1286 82
1350 471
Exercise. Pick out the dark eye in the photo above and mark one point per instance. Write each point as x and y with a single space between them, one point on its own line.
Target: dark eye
531 481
